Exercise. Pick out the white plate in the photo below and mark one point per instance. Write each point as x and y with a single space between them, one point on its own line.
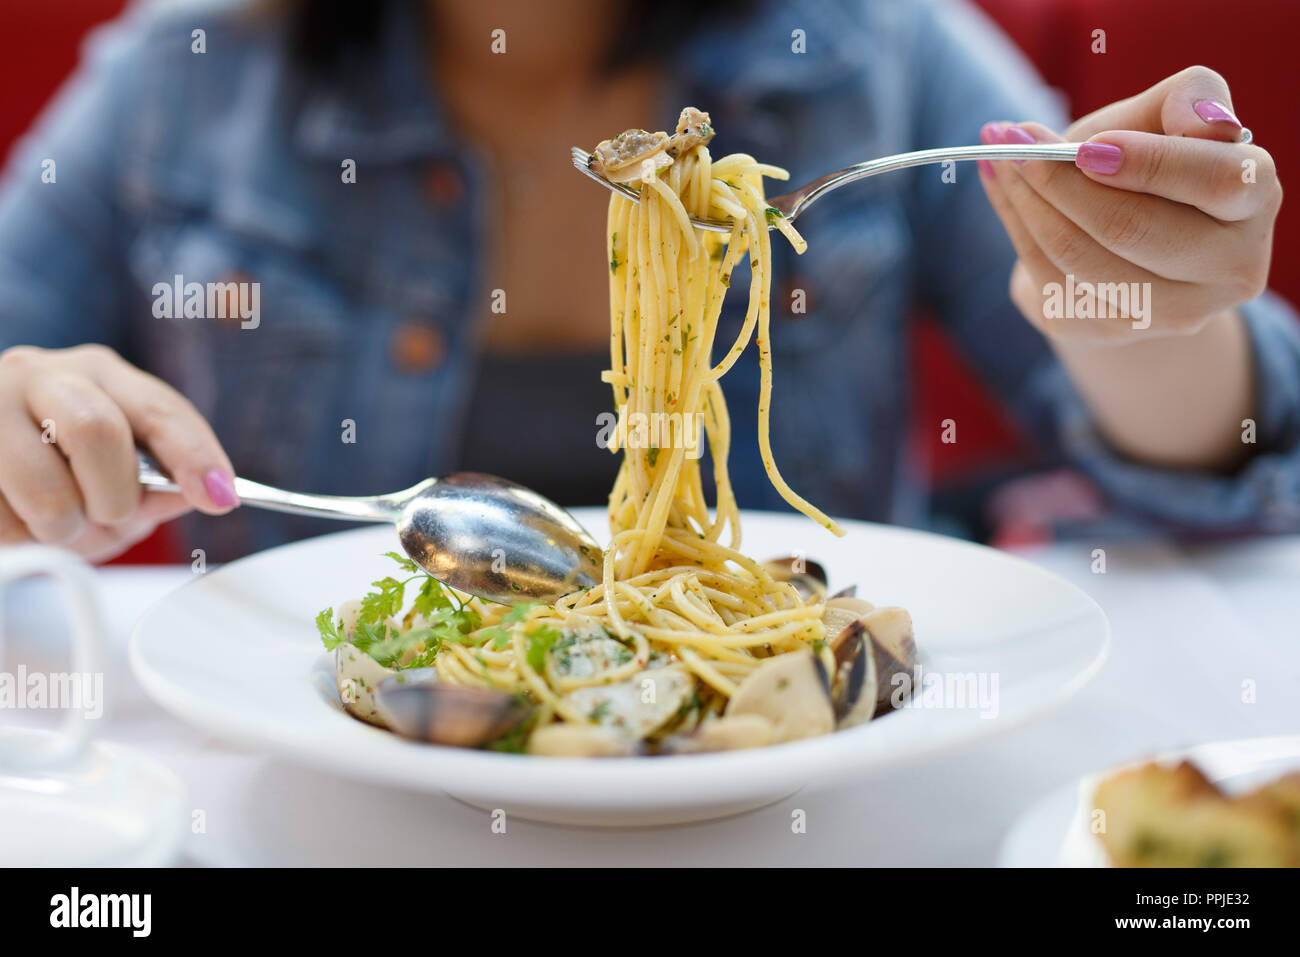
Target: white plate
236 653
1056 832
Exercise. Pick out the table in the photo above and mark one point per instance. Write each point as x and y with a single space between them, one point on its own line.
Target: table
1193 627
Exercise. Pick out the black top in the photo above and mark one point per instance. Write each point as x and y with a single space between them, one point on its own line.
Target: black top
533 419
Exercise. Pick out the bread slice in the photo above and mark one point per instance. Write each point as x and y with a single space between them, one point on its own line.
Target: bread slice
1161 816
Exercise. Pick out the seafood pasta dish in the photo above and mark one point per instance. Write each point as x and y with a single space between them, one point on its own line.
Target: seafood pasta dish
687 644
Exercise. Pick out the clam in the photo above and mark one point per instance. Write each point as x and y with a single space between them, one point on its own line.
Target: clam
349 613
417 704
894 646
579 657
854 686
562 740
356 676
791 691
807 576
858 627
623 159
639 706
838 613
728 733
694 128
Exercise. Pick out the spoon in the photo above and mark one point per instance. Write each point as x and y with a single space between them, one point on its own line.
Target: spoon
477 533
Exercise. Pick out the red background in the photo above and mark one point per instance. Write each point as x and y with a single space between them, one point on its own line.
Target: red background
1251 42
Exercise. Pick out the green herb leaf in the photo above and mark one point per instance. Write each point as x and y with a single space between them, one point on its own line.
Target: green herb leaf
383 603
539 642
331 630
432 598
405 562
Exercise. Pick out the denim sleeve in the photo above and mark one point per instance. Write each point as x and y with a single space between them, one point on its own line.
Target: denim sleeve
63 279
1264 495
973 76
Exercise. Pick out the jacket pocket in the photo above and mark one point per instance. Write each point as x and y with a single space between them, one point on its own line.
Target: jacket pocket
249 334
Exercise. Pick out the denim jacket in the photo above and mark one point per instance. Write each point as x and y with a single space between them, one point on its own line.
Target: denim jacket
225 166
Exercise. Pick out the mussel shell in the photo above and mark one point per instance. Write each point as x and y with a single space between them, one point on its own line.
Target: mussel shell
853 688
417 705
807 576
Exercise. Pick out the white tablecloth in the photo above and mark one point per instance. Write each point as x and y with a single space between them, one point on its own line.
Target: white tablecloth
1191 628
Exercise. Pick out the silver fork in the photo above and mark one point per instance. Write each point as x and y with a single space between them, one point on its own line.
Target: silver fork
791 205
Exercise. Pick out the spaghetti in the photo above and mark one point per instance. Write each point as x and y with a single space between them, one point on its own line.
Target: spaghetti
678 600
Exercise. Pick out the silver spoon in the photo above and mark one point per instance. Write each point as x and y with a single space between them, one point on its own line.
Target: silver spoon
477 533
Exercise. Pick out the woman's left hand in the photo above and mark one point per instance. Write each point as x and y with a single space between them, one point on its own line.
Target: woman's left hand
1162 193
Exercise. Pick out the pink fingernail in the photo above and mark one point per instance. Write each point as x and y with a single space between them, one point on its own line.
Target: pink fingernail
1099 158
220 486
985 167
1212 111
990 133
1015 136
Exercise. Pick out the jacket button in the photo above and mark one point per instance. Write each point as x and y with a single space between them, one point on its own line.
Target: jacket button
444 184
417 347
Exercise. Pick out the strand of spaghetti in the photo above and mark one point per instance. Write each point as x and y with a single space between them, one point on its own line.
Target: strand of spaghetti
761 284
619 216
707 672
751 313
678 211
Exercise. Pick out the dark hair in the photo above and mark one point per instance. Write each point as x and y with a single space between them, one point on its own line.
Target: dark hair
325 33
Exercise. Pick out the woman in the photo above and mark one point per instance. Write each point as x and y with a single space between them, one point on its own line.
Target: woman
413 268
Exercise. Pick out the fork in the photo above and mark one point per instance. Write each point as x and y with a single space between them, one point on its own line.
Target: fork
790 205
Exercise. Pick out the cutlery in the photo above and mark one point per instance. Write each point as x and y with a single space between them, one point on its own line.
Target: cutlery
790 205
477 533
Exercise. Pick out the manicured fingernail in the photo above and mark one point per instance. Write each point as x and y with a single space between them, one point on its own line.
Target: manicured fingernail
1212 111
1099 158
990 133
985 167
1015 136
220 485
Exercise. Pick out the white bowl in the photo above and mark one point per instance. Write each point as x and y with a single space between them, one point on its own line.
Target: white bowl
236 653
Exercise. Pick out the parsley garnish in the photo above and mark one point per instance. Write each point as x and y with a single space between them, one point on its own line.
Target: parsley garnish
447 618
540 641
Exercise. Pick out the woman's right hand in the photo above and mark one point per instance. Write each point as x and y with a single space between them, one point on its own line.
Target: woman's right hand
70 420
